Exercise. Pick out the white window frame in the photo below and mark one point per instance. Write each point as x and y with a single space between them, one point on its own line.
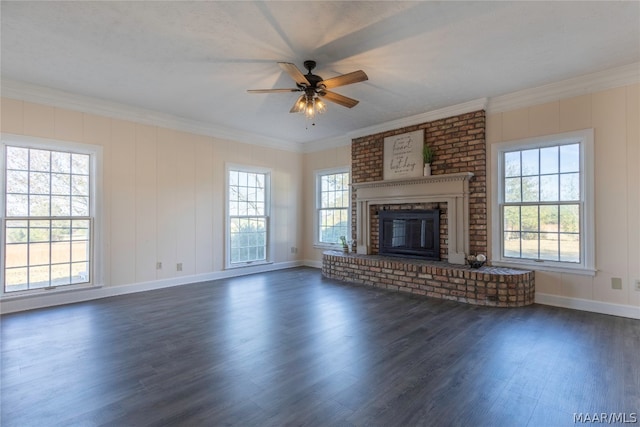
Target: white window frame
585 139
95 153
316 215
268 247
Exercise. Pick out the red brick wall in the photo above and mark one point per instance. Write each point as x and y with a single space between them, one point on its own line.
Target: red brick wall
459 145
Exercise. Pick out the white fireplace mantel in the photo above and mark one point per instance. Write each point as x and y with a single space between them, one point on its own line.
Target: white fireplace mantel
452 189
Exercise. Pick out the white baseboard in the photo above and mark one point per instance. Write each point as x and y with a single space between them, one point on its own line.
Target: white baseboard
622 310
312 263
12 304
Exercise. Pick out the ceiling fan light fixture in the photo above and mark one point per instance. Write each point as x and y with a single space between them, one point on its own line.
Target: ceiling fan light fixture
314 87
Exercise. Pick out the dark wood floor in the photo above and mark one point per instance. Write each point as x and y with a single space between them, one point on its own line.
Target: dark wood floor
292 348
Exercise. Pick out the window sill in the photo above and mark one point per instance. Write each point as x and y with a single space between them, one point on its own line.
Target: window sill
327 246
247 264
40 292
540 266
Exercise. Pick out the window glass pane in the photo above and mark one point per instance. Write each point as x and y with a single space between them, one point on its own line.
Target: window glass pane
60 252
39 160
529 218
60 205
17 158
80 251
60 184
549 160
570 158
570 187
512 244
570 247
530 165
549 188
570 218
80 272
17 182
512 191
39 253
549 218
512 164
16 279
233 178
39 234
80 185
61 162
529 245
512 218
17 205
39 183
39 206
530 189
60 274
16 231
17 255
79 206
80 164
549 247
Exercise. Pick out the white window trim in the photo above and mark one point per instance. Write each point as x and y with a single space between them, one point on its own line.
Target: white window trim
96 208
316 219
227 234
587 189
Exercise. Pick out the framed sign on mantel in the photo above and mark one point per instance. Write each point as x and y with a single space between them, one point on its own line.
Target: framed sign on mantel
403 155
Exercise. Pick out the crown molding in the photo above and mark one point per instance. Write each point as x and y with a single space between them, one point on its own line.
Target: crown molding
576 86
441 113
589 83
56 98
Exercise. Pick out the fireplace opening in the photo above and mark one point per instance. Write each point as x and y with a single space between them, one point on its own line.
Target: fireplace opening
410 233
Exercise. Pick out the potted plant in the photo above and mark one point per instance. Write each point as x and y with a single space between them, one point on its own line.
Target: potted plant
427 156
345 246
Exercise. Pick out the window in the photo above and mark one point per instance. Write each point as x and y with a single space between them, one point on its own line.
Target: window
544 202
248 216
332 206
48 219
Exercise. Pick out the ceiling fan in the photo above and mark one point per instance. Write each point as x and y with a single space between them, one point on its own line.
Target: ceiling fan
315 88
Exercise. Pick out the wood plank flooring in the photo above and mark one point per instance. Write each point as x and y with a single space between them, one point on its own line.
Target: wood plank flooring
293 348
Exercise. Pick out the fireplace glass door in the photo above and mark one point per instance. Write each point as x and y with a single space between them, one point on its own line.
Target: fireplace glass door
410 233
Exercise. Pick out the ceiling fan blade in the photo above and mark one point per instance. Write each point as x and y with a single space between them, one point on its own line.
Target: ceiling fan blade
272 90
298 106
294 72
345 79
339 99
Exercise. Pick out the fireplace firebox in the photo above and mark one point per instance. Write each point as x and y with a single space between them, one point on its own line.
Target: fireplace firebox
410 233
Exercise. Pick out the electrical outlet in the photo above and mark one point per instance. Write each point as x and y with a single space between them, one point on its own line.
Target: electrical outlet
637 284
616 283
179 266
158 266
294 250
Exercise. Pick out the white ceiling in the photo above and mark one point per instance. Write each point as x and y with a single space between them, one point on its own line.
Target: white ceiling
195 60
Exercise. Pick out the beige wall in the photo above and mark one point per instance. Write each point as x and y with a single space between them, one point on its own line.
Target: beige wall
163 191
319 160
615 117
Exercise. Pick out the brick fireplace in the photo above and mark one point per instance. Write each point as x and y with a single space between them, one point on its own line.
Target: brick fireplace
457 188
460 148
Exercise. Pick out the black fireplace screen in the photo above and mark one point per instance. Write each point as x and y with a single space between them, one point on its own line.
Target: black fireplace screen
410 233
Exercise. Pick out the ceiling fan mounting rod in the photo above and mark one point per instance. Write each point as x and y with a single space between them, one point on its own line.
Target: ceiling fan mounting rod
309 65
